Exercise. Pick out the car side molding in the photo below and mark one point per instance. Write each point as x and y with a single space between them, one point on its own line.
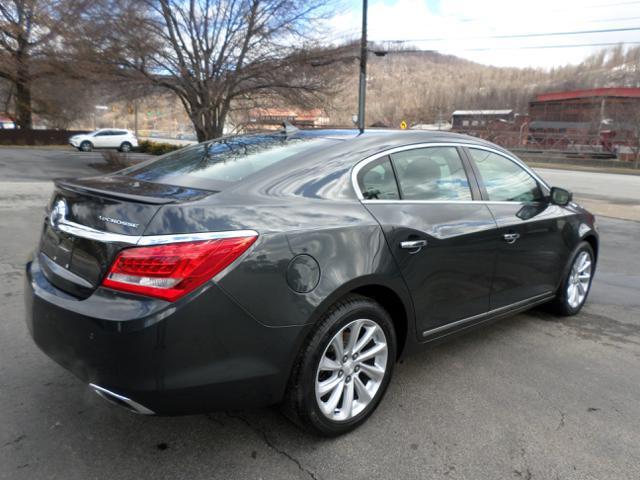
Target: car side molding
495 313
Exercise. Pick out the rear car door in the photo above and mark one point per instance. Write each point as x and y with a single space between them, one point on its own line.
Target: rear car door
442 239
102 139
117 137
532 250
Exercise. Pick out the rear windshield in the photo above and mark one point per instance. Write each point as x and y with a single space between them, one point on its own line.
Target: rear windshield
223 161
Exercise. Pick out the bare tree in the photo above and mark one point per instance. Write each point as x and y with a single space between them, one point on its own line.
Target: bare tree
6 95
212 53
29 32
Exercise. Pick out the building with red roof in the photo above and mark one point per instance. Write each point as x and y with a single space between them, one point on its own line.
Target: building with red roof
597 118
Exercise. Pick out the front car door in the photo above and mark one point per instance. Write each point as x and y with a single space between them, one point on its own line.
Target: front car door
533 249
442 239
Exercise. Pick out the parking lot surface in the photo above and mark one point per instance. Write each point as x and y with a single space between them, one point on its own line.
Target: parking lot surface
529 397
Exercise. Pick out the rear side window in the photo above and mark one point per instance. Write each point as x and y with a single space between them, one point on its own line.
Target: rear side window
226 160
433 173
504 180
377 181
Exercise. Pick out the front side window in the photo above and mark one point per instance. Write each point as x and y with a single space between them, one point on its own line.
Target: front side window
377 181
504 180
433 173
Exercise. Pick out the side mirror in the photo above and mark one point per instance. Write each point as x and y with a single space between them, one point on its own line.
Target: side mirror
560 196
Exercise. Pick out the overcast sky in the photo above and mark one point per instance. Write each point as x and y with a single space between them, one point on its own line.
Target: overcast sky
460 27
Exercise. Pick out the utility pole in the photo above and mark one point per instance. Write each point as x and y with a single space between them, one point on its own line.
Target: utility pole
363 68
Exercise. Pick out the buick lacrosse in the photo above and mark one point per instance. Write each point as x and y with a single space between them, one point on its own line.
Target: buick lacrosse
295 267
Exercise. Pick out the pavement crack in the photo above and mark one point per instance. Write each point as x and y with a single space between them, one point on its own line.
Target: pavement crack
563 415
525 472
273 446
561 423
16 440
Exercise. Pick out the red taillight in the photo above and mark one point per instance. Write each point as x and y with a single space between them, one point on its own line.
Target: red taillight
173 270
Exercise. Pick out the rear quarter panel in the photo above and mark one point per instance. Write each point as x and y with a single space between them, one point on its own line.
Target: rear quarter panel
349 247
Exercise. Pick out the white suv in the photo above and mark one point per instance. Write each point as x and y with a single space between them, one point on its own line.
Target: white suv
123 140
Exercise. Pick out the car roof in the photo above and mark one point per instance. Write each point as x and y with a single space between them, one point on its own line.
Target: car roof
394 137
354 146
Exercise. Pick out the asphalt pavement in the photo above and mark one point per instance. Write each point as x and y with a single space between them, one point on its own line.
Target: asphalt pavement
42 164
529 397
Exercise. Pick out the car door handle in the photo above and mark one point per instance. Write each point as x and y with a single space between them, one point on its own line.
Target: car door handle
414 245
511 237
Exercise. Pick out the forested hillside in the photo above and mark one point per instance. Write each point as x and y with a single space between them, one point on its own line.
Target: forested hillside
424 87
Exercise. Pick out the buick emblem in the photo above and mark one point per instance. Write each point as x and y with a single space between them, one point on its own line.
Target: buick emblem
58 213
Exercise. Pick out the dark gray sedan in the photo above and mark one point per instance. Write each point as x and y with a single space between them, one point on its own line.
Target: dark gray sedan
295 267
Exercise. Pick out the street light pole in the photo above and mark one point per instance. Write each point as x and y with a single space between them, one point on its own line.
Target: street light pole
363 68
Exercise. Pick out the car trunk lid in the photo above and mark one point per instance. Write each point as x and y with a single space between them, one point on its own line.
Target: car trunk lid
91 220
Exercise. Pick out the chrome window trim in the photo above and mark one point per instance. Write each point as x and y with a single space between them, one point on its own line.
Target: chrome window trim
82 231
362 163
461 202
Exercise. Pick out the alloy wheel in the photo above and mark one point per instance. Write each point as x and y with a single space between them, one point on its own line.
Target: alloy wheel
351 370
579 280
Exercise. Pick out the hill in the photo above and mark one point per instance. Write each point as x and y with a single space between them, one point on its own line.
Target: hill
424 87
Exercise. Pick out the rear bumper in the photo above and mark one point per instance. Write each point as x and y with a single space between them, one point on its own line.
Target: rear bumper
197 355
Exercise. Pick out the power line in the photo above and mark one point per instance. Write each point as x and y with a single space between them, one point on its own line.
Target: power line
619 19
577 32
600 5
609 4
540 47
352 32
534 47
518 35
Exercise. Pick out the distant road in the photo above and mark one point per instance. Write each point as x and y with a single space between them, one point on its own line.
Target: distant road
607 194
594 184
40 164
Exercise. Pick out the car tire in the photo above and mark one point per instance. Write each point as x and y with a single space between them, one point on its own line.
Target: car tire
317 397
85 146
125 147
575 287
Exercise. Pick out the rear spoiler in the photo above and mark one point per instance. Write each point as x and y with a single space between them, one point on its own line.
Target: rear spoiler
67 184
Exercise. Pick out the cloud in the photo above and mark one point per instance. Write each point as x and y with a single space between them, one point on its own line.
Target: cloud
459 26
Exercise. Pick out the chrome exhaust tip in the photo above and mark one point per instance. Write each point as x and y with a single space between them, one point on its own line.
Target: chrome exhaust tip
120 400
